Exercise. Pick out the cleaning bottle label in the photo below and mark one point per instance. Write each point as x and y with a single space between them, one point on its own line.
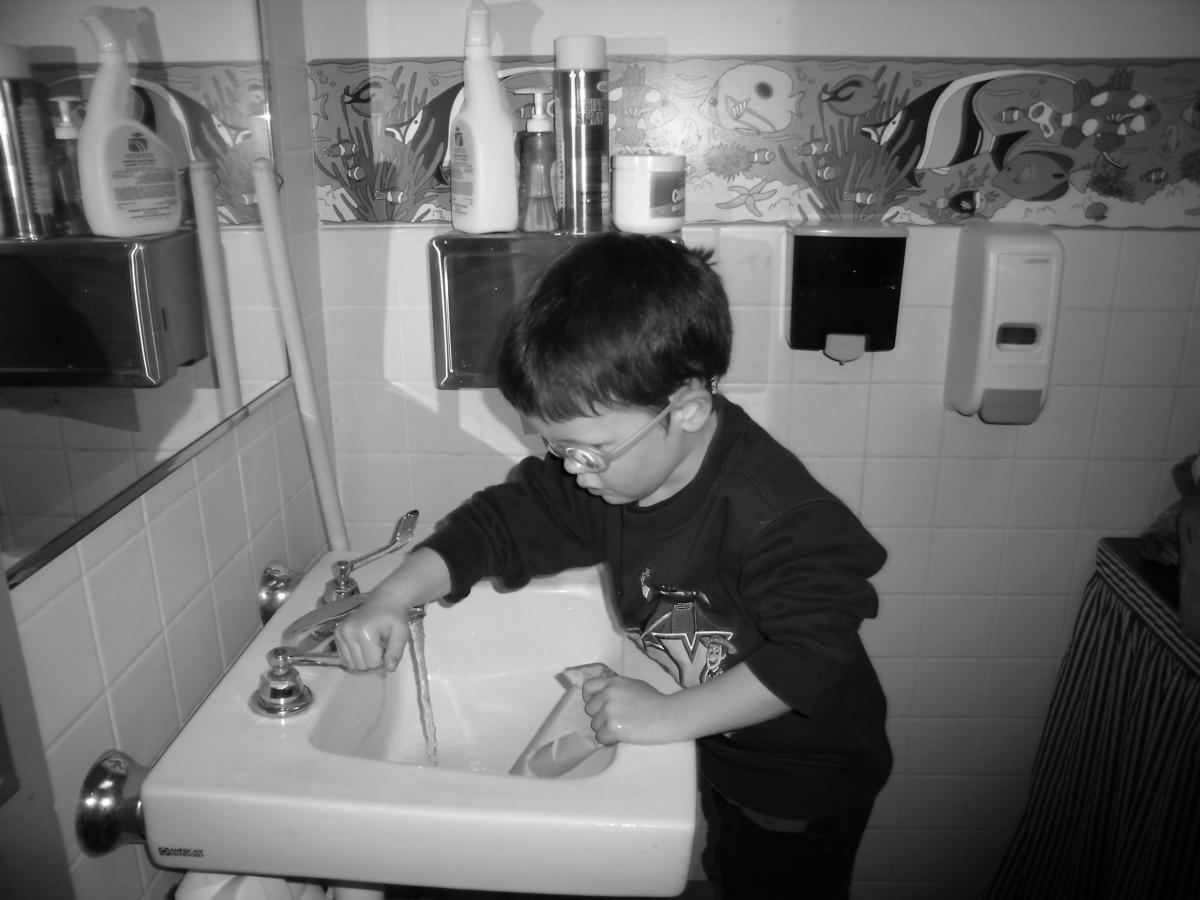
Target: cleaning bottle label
144 185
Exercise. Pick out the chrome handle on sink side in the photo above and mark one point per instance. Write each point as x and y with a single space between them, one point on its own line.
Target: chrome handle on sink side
342 585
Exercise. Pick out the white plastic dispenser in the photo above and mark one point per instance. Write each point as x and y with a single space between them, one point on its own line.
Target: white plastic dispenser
1006 296
483 158
128 177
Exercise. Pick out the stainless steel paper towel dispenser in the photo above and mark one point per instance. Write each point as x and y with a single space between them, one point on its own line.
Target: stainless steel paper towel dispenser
1006 294
100 311
475 281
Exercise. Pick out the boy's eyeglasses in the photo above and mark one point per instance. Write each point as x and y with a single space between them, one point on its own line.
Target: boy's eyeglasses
593 459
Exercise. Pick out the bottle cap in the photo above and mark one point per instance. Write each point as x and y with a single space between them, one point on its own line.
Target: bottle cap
581 51
479 28
66 126
539 120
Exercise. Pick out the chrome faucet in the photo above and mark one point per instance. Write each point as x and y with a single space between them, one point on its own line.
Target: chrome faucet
312 633
309 640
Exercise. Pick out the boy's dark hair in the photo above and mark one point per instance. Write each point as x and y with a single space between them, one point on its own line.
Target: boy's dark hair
619 320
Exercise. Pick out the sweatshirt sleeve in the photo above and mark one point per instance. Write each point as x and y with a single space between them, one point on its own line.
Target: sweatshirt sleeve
537 523
806 588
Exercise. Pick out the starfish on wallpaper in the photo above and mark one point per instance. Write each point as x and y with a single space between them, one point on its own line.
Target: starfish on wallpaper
747 197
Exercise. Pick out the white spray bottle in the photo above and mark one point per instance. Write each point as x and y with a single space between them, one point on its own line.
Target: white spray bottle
128 179
483 159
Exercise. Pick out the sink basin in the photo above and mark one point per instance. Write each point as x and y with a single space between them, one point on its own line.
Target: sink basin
345 791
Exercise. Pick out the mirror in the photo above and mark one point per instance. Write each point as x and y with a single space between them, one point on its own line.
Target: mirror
72 456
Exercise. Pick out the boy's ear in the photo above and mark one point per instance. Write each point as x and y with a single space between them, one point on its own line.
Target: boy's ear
695 407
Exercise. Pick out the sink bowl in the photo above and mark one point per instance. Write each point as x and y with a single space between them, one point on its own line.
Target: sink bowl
345 791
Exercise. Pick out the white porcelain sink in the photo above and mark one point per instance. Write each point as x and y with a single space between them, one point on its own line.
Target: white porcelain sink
344 791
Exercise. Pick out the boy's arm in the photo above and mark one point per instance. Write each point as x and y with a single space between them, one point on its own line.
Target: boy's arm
376 632
625 709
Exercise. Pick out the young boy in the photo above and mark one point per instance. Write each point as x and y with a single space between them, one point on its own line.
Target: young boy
732 567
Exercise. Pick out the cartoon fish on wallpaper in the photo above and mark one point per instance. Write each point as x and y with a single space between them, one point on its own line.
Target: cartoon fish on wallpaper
641 106
1035 175
427 132
854 95
753 98
1191 112
372 96
942 128
1109 114
204 135
964 203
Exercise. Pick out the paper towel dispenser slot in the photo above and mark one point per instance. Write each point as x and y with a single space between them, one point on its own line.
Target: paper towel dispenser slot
1016 335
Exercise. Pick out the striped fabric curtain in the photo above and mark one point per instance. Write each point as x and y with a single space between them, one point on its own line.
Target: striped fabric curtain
1114 805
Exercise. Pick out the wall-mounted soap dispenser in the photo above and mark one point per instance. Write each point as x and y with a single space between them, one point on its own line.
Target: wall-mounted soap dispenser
846 289
1006 295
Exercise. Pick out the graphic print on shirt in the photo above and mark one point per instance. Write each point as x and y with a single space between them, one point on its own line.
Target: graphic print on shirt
681 634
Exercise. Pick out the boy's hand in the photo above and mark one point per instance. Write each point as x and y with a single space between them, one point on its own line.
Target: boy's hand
373 635
625 709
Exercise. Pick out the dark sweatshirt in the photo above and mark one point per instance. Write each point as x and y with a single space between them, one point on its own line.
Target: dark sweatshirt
752 562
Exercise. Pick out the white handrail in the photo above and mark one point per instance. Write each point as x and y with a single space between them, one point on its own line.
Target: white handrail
284 288
203 177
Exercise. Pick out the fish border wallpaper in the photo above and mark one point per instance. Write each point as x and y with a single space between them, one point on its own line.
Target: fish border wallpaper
767 139
809 140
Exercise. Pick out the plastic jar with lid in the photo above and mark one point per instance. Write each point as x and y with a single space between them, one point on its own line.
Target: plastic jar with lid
648 192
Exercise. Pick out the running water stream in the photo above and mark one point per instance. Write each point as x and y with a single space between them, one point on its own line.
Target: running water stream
416 627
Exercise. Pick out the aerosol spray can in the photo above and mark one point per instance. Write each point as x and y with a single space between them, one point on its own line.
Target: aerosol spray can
581 132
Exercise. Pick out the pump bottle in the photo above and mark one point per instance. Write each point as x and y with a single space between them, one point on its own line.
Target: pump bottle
535 197
483 160
64 166
127 174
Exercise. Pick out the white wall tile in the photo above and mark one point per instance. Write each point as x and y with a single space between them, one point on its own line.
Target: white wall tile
1090 260
1027 626
143 704
180 572
1157 270
1133 423
896 631
195 653
1035 562
905 420
223 508
899 492
907 568
949 687
1145 348
1080 339
1047 493
965 560
973 493
942 746
123 600
956 626
829 420
56 640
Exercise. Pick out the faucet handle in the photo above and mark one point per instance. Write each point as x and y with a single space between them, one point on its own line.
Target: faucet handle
401 535
341 585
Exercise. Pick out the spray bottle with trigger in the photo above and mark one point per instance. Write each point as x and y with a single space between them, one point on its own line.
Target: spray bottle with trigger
537 210
128 178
